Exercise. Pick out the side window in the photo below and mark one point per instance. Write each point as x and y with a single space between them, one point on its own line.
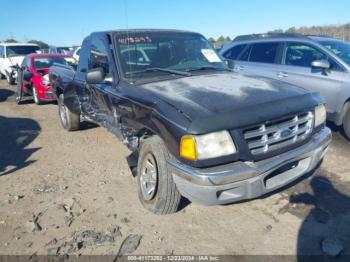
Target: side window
1 51
264 52
245 55
299 54
234 52
27 62
98 56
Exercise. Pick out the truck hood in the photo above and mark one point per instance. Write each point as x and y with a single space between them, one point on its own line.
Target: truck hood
16 60
12 61
228 100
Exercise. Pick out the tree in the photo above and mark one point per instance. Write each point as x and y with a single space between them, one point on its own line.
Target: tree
211 41
276 31
221 39
42 44
11 40
291 30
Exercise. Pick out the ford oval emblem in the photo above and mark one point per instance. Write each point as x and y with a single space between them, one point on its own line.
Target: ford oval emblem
286 132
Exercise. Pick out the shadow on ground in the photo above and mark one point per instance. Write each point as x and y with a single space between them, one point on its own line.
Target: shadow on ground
16 134
325 209
5 94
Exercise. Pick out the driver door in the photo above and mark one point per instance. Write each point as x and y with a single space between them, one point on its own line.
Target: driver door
25 68
98 57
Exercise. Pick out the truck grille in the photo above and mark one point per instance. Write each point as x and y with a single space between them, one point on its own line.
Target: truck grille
278 134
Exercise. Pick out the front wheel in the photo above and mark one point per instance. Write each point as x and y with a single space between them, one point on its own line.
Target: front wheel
2 76
10 80
156 188
69 120
346 124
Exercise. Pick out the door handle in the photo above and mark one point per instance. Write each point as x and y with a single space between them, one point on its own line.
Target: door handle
282 74
239 68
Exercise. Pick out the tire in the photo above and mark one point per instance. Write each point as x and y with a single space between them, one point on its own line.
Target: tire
2 76
19 91
36 97
165 198
10 80
69 120
346 124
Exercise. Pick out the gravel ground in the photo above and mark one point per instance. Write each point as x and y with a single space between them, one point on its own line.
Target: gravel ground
73 193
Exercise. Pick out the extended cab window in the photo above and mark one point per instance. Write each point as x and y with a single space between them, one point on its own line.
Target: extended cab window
98 57
234 52
264 52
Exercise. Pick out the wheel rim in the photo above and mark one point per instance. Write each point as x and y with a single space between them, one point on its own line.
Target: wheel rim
148 177
63 115
35 95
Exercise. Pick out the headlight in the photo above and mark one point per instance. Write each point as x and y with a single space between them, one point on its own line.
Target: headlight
45 82
320 115
207 146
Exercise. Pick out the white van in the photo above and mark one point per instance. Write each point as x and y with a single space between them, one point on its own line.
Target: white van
11 55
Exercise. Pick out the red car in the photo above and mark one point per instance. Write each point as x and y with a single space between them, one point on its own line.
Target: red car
33 76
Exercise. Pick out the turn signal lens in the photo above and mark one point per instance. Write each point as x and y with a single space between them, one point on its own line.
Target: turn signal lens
320 115
188 148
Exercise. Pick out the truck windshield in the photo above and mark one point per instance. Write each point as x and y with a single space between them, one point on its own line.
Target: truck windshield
46 62
141 53
20 50
340 48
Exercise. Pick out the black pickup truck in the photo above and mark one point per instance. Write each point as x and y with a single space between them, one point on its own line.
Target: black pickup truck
196 128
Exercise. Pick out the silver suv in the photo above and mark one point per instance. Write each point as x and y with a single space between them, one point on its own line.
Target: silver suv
320 64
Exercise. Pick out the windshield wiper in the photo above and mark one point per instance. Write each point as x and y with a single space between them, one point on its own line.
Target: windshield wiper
208 68
170 71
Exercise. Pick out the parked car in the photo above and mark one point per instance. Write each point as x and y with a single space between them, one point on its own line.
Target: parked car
33 77
195 128
11 55
76 53
64 50
320 64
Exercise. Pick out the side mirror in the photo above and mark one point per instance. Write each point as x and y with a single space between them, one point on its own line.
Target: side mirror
230 64
95 76
27 76
321 64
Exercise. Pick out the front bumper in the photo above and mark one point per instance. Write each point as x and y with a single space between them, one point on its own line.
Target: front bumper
46 93
247 180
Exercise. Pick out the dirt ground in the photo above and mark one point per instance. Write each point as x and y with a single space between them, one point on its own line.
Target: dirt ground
73 193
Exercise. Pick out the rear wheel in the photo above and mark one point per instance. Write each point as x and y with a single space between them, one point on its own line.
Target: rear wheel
69 120
346 124
157 190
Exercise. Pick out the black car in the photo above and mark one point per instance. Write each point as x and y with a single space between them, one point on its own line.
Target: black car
198 130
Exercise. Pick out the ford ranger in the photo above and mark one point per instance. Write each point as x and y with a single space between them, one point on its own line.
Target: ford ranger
196 128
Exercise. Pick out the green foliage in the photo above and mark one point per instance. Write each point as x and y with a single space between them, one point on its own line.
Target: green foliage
220 41
11 40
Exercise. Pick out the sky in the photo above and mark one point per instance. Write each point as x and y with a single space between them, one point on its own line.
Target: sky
64 22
